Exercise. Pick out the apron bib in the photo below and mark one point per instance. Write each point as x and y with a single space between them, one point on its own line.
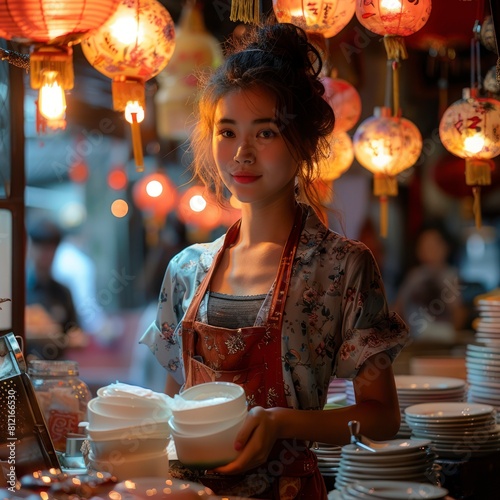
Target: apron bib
251 357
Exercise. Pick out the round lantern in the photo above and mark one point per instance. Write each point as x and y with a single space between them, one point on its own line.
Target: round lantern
197 208
340 158
155 194
59 23
470 129
487 34
345 102
134 45
316 16
386 146
50 28
195 48
393 20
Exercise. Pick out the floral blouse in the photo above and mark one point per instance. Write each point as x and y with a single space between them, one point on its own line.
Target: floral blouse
336 314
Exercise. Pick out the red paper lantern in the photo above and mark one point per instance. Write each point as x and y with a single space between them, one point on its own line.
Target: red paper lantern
62 22
197 208
155 194
326 17
345 102
397 17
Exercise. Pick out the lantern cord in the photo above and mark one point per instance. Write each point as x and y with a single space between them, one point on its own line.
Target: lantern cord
15 58
395 87
476 206
246 11
388 84
384 215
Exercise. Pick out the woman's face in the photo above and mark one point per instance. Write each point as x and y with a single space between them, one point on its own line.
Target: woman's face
251 155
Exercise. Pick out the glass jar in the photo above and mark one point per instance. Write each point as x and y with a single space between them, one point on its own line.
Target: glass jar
62 397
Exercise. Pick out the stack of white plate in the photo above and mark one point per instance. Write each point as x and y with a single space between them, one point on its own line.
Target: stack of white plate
328 459
414 389
483 374
457 430
487 325
393 490
396 459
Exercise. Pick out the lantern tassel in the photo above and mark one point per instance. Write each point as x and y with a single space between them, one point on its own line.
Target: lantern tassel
137 143
384 216
246 11
476 206
395 47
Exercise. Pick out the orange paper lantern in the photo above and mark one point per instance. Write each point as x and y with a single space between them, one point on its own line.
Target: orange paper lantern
134 45
326 17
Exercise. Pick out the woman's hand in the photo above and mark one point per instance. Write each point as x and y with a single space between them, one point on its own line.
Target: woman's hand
254 441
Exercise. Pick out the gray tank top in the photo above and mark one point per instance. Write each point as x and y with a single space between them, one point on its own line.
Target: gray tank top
233 311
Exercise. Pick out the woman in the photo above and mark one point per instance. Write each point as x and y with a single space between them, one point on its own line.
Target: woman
281 303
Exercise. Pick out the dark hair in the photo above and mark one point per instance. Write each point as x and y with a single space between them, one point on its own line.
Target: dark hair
43 230
280 58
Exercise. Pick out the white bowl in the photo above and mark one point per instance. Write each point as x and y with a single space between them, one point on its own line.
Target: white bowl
152 430
107 449
129 409
217 400
208 451
126 466
203 428
101 421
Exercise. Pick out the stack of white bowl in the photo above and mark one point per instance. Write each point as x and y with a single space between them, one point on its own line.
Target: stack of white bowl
128 432
396 460
394 490
413 389
483 374
205 421
457 430
487 325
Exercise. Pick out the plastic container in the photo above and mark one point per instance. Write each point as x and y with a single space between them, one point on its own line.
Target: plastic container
62 397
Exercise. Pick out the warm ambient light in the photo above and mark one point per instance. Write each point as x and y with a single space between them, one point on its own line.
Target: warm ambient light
315 16
51 98
197 203
469 129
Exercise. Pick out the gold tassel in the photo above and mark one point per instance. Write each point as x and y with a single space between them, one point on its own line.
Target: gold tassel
383 187
395 47
478 172
395 88
137 144
246 11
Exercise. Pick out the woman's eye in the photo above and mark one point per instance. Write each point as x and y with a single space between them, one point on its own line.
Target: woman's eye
226 133
267 134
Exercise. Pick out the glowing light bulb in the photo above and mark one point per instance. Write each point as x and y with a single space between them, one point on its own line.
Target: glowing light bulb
51 97
381 157
154 188
133 107
197 203
474 144
127 30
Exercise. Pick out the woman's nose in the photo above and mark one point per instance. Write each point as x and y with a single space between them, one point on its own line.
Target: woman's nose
244 155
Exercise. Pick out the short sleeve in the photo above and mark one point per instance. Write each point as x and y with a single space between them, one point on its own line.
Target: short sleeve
161 337
367 326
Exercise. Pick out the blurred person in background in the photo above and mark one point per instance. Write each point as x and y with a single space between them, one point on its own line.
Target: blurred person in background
430 295
50 309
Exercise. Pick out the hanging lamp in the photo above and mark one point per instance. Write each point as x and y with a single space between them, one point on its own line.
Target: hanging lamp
470 129
134 45
195 49
325 17
386 146
50 29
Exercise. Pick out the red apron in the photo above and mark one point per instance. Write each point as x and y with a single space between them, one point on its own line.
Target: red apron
251 357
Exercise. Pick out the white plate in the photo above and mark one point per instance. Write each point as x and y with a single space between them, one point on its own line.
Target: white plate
376 459
447 410
427 383
394 446
400 489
